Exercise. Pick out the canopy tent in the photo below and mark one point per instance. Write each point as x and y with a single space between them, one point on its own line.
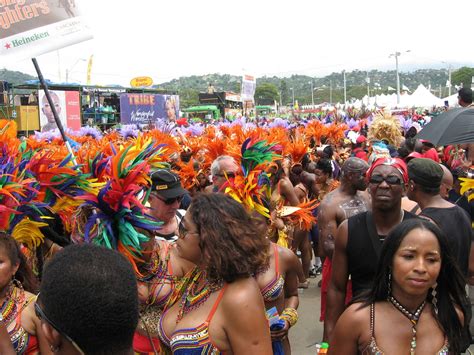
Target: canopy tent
452 100
422 97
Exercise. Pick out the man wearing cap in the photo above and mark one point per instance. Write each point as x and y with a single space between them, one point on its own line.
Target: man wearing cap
425 177
223 165
359 239
165 199
348 200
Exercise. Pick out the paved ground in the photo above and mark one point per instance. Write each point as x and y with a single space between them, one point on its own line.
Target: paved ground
309 329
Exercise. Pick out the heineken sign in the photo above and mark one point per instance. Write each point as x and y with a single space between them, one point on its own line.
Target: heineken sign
29 28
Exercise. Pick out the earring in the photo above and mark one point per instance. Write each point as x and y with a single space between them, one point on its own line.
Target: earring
434 300
17 283
53 348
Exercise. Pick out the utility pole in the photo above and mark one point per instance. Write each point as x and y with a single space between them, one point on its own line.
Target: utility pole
396 55
312 94
367 80
330 92
345 92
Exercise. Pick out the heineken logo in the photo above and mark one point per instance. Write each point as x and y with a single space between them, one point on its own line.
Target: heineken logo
21 41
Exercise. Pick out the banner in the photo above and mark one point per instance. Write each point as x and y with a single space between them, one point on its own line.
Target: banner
29 28
249 84
67 106
146 109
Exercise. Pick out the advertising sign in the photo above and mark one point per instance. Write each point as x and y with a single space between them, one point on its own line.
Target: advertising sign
141 81
67 106
29 28
146 109
249 83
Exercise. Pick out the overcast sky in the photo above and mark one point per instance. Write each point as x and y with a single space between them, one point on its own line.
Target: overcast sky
167 39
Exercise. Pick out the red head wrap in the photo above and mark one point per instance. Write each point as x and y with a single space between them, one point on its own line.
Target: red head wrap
397 163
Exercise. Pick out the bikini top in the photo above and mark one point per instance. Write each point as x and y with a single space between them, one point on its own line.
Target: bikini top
192 340
373 349
22 341
273 290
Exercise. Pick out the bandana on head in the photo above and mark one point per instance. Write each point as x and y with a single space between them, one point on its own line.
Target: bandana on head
397 163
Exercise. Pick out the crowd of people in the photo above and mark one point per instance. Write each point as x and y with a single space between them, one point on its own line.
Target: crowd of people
196 241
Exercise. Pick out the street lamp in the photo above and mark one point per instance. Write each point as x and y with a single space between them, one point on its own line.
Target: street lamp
293 92
70 70
345 91
312 94
448 84
396 55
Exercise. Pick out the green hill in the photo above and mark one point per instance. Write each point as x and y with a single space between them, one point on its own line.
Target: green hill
14 77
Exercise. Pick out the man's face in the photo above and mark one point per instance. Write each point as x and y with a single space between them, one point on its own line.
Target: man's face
446 186
161 210
359 180
48 112
227 166
386 187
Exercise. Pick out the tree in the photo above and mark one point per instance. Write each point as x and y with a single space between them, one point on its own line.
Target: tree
266 92
462 75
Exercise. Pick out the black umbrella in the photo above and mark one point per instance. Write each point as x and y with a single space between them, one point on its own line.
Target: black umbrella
455 126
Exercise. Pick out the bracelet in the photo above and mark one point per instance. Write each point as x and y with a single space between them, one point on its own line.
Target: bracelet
290 315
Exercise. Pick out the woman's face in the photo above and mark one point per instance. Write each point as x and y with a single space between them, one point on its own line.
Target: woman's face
187 244
7 269
416 264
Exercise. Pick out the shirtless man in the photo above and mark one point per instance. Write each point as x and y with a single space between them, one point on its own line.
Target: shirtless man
349 199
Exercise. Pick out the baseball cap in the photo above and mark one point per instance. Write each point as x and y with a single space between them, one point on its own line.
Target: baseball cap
167 184
425 172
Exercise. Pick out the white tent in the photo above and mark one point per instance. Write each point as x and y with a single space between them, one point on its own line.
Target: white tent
422 97
452 100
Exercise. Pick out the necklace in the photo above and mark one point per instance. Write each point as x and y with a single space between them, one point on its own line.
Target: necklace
193 296
413 317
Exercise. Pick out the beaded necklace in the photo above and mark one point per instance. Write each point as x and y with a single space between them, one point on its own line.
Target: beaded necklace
413 317
193 297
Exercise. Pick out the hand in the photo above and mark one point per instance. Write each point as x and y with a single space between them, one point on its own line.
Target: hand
281 334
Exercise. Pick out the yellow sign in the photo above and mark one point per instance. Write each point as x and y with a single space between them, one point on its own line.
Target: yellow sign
141 81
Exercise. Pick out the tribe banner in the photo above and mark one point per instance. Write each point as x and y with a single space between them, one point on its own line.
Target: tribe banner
249 84
29 28
146 109
67 106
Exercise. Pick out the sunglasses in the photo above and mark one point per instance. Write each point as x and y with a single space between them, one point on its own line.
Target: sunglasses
182 231
42 317
391 179
230 175
170 201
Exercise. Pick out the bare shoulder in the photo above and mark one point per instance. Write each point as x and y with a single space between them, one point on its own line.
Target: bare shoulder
357 315
287 256
240 293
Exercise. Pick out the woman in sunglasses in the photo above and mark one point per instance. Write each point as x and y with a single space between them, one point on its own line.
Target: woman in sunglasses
17 288
221 309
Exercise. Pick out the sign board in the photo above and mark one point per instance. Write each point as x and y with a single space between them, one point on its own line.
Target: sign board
141 81
29 28
146 109
249 84
67 106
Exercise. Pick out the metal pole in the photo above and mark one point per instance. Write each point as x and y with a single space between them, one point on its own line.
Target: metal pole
345 92
449 78
67 75
368 87
398 77
312 95
53 109
330 92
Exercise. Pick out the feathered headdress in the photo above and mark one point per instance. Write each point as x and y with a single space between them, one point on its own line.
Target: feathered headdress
118 208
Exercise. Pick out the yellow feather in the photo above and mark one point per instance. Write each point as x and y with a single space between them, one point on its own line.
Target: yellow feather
28 233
